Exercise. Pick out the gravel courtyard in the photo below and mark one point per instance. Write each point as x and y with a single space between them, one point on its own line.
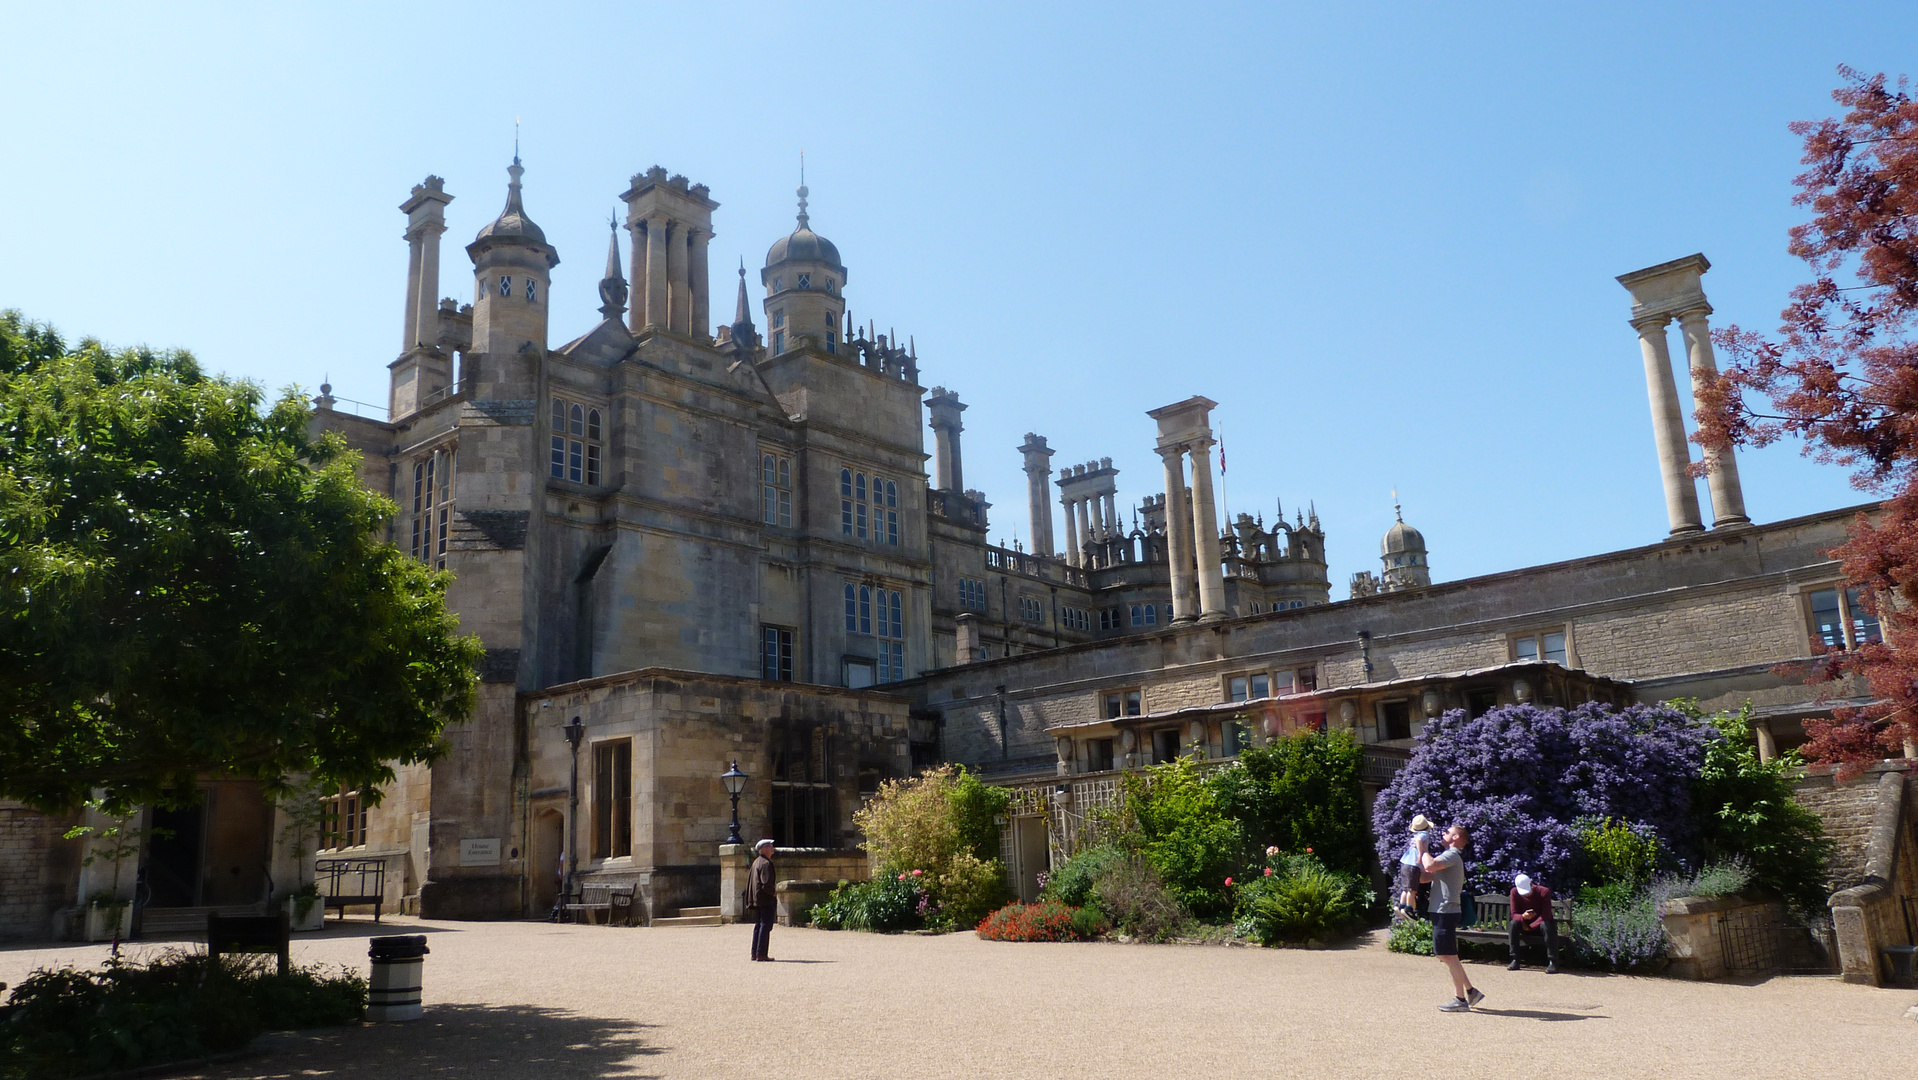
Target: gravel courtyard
560 1002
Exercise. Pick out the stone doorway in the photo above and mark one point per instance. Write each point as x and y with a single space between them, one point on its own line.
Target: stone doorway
1029 845
214 853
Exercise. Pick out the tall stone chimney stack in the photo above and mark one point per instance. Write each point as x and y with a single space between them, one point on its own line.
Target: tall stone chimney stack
1039 492
1660 293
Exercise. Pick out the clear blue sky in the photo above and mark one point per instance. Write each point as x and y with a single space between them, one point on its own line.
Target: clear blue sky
1384 238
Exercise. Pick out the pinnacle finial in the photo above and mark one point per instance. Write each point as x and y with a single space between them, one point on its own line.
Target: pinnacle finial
1396 512
803 216
612 287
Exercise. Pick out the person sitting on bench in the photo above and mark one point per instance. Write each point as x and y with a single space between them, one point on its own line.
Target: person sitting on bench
1531 914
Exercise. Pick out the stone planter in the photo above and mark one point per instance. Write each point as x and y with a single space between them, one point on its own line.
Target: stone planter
798 898
314 919
101 921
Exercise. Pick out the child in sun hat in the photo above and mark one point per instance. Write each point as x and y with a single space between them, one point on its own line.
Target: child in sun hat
1409 865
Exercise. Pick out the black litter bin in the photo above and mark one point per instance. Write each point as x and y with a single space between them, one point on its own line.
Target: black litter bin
395 990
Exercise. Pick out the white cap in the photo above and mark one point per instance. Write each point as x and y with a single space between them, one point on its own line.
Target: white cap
768 842
1523 883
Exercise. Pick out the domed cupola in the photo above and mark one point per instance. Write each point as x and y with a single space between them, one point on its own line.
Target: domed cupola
1402 556
803 278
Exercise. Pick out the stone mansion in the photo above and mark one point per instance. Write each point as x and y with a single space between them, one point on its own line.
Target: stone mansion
685 545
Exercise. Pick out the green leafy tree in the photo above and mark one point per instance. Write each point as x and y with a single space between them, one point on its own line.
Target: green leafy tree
1172 817
191 583
1296 793
938 828
1745 811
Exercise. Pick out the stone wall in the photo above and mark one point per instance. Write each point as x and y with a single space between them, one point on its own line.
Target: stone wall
685 729
1706 616
39 870
1874 825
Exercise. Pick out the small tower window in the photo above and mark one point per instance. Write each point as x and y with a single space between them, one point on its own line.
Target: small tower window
779 318
832 342
505 285
779 342
532 290
805 281
779 284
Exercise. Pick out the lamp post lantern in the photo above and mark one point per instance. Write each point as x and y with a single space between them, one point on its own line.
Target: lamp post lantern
575 731
735 782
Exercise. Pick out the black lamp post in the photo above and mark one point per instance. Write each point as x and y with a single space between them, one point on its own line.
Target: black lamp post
575 731
735 782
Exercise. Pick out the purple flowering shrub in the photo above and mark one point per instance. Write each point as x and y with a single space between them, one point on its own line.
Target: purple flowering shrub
1521 776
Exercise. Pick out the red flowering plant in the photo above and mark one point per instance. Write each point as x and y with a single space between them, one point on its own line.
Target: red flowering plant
1047 920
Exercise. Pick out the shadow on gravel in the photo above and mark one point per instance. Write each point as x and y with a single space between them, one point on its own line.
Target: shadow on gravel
455 1040
1535 1014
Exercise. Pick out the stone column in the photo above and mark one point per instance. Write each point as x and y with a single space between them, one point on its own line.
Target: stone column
656 272
1205 524
1072 528
702 297
426 325
636 315
679 314
410 335
1178 535
1113 527
948 467
1038 492
1086 533
1728 496
1668 427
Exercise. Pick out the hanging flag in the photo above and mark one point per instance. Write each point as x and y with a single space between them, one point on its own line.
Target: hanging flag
1222 452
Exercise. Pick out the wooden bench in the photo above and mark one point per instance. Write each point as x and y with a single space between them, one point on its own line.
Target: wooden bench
249 934
615 900
351 882
1493 919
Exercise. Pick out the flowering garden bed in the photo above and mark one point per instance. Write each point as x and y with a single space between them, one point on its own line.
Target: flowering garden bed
1047 920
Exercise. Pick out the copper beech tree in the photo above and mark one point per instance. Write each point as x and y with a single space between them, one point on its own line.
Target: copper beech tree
1842 375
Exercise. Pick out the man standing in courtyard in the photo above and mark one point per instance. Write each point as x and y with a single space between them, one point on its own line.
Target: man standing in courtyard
1446 872
762 899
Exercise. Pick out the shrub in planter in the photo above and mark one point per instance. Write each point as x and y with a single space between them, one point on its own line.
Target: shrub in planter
1043 921
1622 933
887 903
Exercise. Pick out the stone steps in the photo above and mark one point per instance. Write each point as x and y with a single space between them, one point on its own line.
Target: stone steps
186 921
691 916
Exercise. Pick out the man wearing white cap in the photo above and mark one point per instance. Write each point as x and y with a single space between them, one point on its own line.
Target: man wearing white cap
762 899
1531 914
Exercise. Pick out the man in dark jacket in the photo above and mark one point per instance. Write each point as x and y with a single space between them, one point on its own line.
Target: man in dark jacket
1531 914
762 901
